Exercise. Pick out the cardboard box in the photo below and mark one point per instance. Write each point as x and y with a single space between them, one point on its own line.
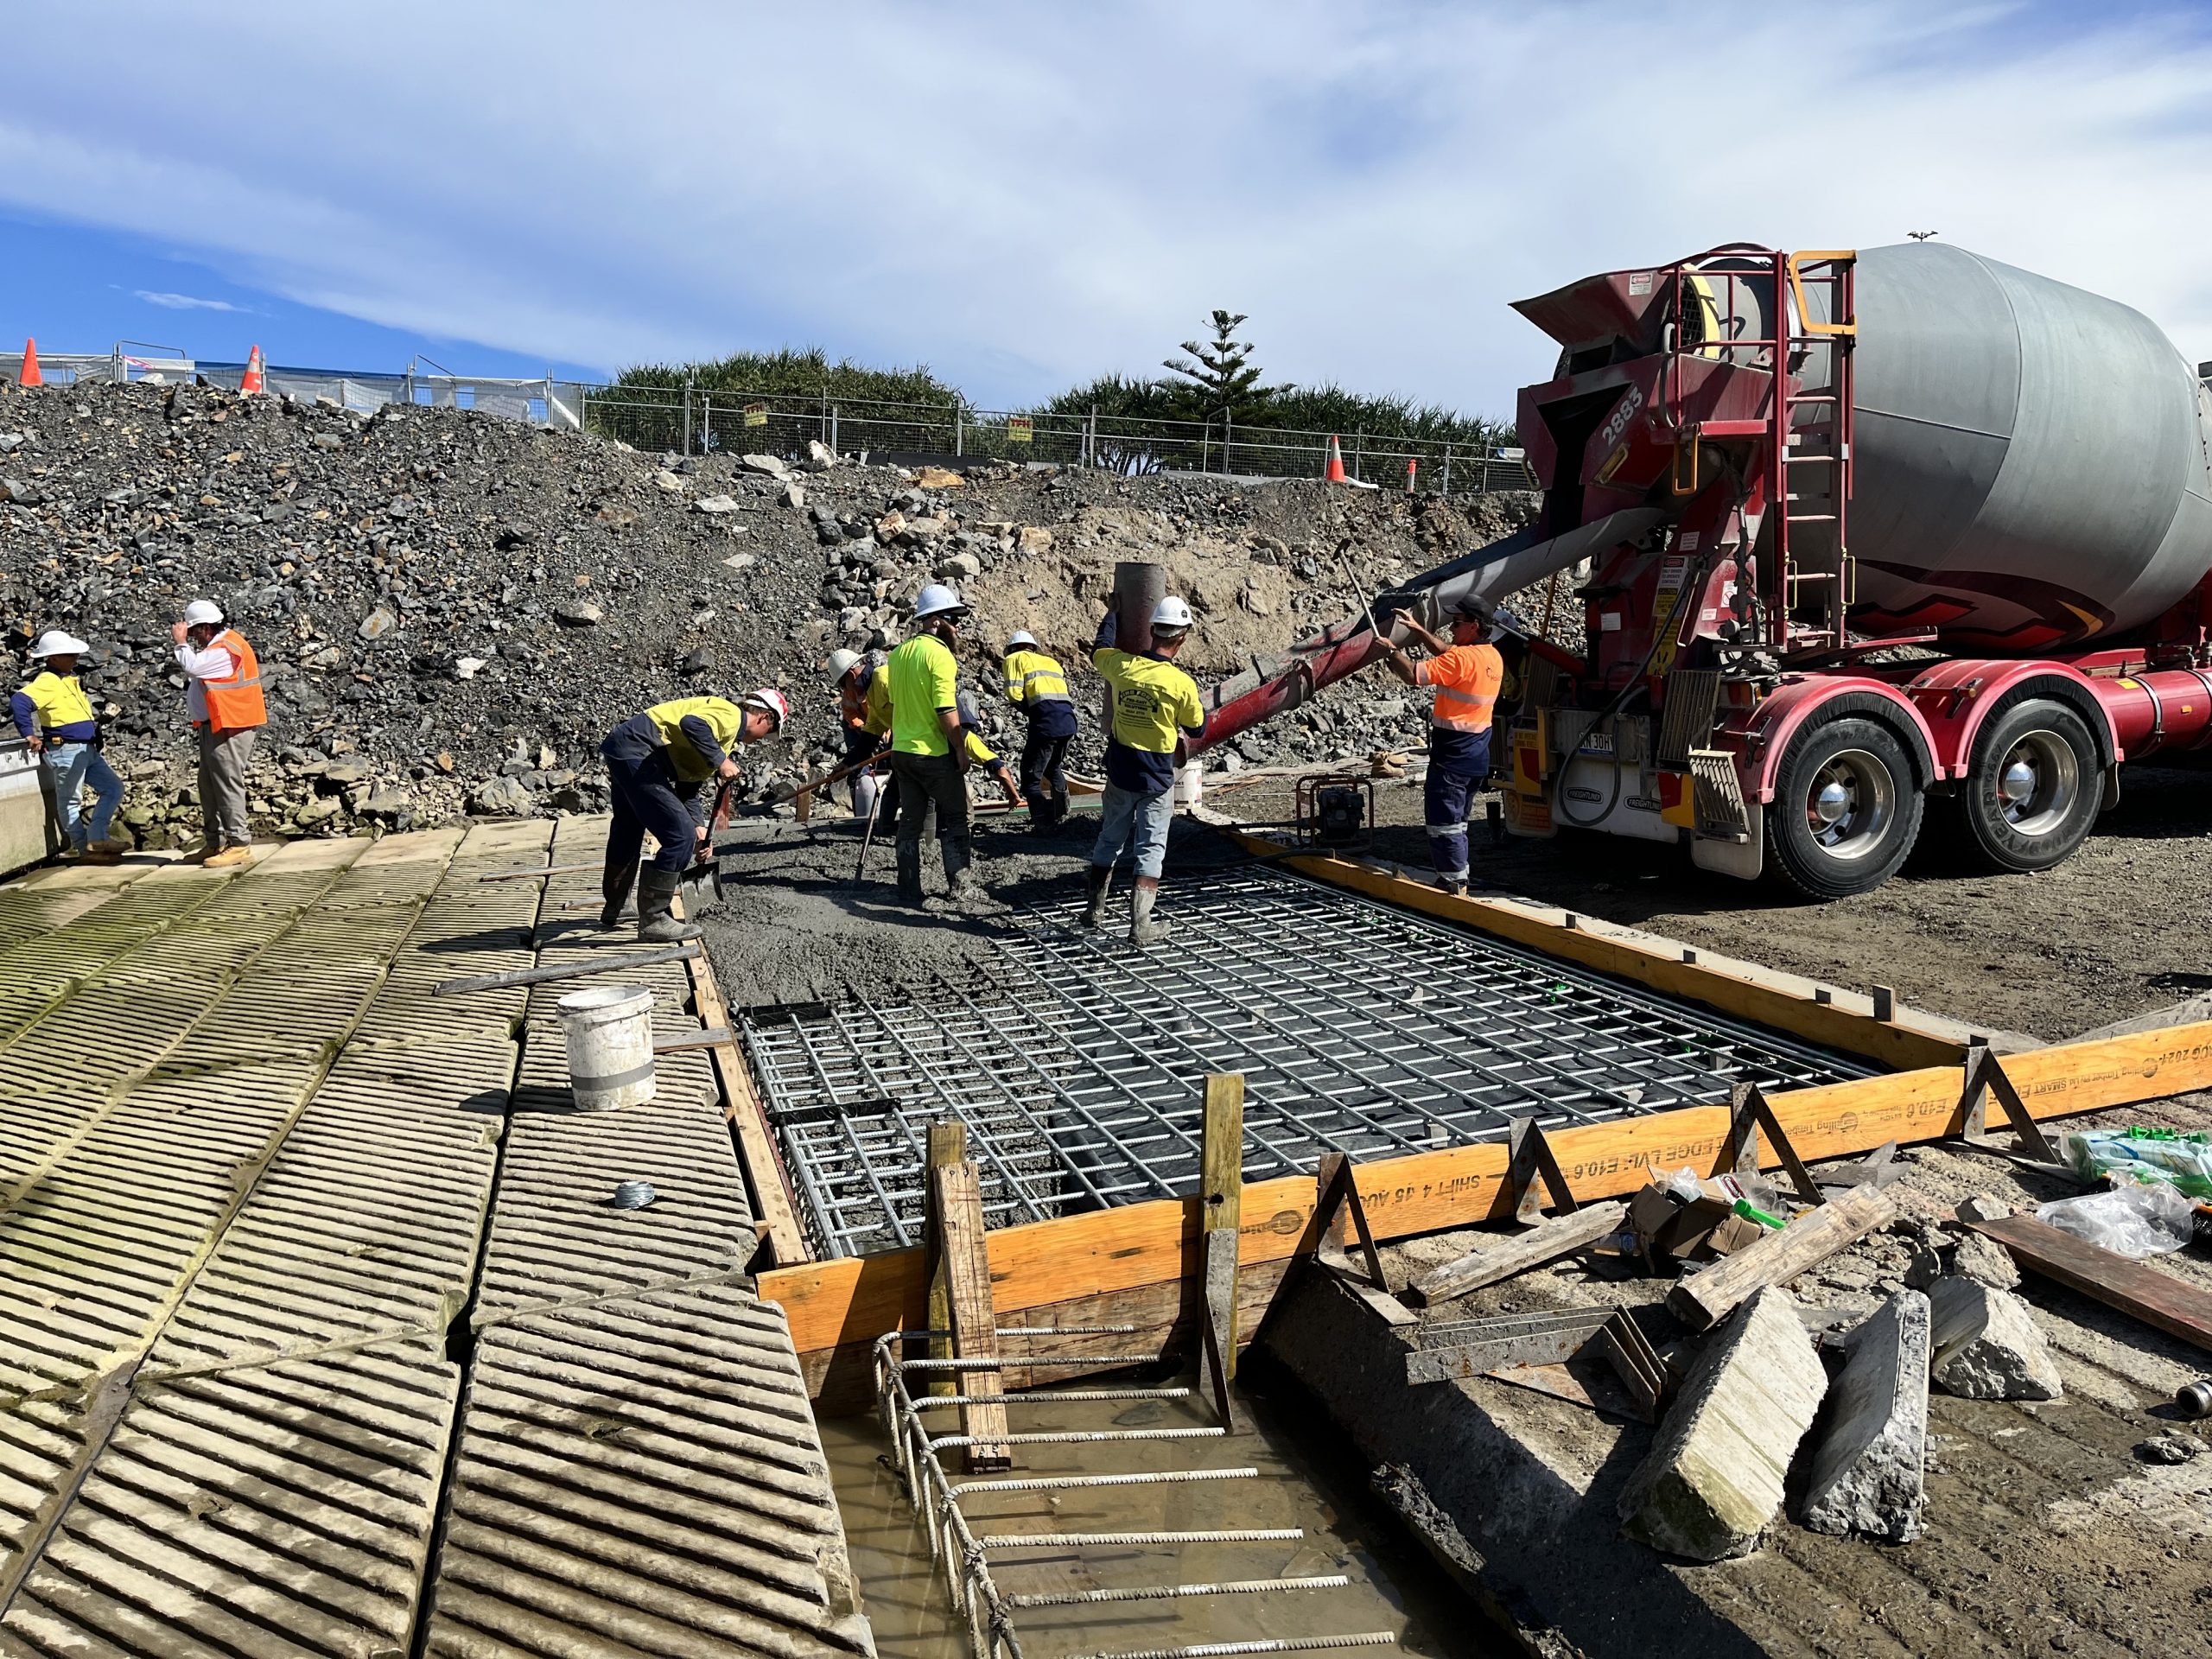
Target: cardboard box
1692 1223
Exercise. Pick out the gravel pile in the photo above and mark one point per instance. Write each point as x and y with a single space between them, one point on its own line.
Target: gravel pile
451 609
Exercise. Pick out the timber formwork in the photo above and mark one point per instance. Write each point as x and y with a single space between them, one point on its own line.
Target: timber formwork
317 1334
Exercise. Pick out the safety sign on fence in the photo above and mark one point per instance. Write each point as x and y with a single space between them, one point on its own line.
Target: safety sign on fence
756 414
1019 429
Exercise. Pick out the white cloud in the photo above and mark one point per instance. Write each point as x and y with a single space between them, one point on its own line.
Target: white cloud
186 302
1024 199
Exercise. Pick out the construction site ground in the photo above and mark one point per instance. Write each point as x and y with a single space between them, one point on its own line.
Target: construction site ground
2044 1531
2113 931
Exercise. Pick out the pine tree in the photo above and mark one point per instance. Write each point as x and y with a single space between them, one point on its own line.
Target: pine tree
1219 372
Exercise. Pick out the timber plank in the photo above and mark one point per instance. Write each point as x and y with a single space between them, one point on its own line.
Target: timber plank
2134 1288
756 1142
1705 1299
1507 1256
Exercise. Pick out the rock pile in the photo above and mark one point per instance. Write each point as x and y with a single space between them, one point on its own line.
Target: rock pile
451 609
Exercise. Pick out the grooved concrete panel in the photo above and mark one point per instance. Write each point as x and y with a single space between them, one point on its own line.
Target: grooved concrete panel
643 1477
284 1509
42 1444
367 1222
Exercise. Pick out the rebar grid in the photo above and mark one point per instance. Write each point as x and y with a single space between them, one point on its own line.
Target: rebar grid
962 1555
1078 1064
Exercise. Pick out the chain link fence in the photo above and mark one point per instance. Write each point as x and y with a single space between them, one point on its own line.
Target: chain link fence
692 421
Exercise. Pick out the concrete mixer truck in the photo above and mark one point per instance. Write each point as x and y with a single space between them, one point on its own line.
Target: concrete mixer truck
1864 539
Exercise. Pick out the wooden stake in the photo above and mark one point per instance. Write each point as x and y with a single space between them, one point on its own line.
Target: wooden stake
1221 1192
1748 1114
1561 1236
1984 1076
948 1145
1337 1190
1528 1157
966 1273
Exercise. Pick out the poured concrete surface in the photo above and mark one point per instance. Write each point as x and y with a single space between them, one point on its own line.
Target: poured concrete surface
258 1184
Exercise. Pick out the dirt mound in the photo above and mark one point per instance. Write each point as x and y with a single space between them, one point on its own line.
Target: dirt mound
452 609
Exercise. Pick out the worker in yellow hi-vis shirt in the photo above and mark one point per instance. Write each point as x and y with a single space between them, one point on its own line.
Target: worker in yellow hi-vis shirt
928 751
1155 706
657 764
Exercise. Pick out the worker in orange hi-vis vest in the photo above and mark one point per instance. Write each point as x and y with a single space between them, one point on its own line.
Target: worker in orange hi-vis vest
1466 674
222 696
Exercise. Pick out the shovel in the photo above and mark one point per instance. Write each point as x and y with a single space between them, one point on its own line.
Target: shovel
701 885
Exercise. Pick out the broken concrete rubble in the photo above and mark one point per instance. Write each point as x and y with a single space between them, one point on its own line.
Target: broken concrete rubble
1867 1471
1713 1479
1985 1261
1985 1345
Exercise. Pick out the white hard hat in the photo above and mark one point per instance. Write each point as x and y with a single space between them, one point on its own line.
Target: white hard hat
1170 615
55 643
202 611
767 697
1021 637
843 662
938 599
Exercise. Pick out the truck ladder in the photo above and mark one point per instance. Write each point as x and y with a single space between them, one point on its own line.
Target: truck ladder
1810 461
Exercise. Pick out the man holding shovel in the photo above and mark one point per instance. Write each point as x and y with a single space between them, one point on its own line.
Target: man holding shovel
657 764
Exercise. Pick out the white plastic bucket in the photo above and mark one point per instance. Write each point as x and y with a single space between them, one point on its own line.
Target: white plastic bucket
610 1030
1190 784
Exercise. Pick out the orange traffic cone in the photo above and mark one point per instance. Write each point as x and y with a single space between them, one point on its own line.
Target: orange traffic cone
29 375
1413 465
251 381
1336 473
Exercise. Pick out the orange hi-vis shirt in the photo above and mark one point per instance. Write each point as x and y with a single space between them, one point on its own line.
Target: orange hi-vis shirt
235 703
1466 680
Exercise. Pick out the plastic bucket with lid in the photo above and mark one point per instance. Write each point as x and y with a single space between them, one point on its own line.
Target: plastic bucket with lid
610 1030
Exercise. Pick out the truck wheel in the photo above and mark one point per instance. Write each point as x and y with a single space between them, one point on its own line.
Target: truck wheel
2032 789
1845 809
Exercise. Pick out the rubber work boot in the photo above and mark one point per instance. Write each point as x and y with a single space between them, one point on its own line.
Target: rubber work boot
615 884
971 898
1143 931
656 901
910 874
1094 914
1456 885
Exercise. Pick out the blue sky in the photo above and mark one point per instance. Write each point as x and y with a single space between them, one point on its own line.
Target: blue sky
1024 199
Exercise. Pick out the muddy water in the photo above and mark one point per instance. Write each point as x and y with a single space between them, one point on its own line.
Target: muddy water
1393 1588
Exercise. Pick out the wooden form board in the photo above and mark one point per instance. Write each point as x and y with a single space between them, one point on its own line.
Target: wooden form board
2149 1294
774 1204
1647 963
1156 1247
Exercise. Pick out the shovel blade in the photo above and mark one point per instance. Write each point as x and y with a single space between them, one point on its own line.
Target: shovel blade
701 889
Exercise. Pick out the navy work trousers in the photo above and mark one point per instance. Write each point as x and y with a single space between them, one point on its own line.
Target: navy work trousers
1448 799
648 795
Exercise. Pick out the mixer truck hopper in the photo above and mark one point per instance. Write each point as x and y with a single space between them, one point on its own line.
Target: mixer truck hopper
1865 539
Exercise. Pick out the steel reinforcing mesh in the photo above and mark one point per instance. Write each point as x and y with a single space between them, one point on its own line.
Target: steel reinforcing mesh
1077 1062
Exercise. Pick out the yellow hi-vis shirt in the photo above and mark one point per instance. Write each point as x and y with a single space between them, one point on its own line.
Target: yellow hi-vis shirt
1033 677
1154 701
724 718
924 679
59 700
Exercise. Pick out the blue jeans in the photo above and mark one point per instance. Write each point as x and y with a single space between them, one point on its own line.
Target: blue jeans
77 766
1126 818
1448 799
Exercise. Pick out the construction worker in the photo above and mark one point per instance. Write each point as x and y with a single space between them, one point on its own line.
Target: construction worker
54 716
1465 673
929 750
657 764
223 698
1039 687
850 677
981 756
1155 707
